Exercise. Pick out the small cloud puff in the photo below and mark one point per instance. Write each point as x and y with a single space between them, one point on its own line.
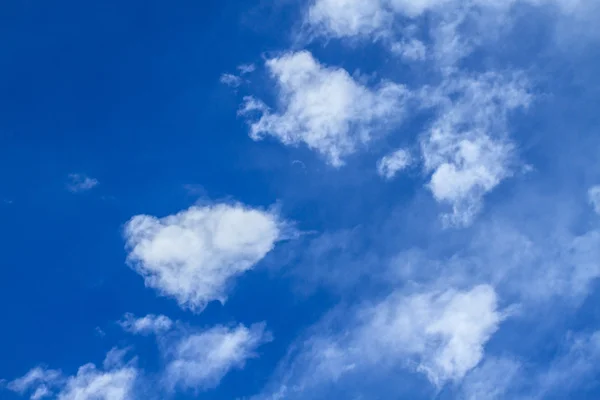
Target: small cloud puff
81 183
150 324
393 163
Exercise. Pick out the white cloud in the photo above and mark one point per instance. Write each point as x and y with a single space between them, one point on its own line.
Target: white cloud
201 360
393 163
81 183
114 382
38 381
93 384
231 80
410 50
324 107
446 332
342 18
246 68
594 198
467 149
150 324
193 255
439 333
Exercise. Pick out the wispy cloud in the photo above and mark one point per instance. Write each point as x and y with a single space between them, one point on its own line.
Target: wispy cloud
113 382
441 334
150 324
200 360
81 183
388 166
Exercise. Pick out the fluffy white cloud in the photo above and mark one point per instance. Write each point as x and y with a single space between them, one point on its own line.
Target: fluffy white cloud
467 149
81 183
393 163
594 198
439 333
324 107
113 382
201 360
193 255
149 324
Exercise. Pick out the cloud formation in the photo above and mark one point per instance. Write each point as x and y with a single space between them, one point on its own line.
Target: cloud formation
388 166
467 149
81 183
115 381
441 334
323 107
193 255
200 360
150 324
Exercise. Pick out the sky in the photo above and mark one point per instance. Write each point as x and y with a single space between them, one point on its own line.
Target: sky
300 199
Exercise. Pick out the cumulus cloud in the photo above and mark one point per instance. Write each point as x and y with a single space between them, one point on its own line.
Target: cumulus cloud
113 382
193 255
150 324
441 334
324 107
393 163
81 183
200 360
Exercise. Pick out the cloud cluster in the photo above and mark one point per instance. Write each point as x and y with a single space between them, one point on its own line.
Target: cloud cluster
193 255
115 381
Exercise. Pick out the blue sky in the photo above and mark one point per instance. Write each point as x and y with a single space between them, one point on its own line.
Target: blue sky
290 199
